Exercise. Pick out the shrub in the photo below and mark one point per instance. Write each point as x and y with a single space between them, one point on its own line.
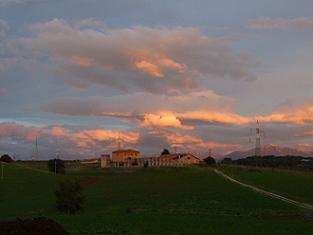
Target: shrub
209 161
165 152
69 196
57 166
6 158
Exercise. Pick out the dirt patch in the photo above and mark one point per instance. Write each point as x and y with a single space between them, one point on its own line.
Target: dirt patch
37 226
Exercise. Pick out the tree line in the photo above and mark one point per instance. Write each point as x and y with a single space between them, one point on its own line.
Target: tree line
292 162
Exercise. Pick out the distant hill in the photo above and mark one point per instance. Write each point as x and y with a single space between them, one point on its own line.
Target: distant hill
269 149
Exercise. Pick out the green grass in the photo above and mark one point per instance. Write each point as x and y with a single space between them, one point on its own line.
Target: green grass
151 201
296 185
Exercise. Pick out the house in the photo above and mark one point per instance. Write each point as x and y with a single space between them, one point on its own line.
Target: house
183 158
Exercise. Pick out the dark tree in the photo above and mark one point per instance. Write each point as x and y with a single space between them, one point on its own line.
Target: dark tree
56 166
6 158
165 152
209 160
227 160
69 196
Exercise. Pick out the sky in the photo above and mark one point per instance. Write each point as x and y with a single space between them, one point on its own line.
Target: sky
83 75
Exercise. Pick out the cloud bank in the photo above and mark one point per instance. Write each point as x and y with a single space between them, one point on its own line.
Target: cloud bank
270 23
138 58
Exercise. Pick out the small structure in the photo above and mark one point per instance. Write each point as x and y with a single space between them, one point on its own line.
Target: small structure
105 161
89 161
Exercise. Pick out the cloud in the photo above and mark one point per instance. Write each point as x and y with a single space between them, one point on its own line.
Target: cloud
85 142
152 110
179 110
163 120
138 58
14 130
297 111
71 142
270 23
4 26
215 117
3 91
140 102
192 142
4 3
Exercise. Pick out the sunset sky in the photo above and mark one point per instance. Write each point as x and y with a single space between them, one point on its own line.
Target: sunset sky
197 74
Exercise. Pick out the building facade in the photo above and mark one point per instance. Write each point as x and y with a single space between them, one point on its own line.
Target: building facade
131 158
124 155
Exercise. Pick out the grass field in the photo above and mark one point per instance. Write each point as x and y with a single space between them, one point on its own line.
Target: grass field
296 185
151 201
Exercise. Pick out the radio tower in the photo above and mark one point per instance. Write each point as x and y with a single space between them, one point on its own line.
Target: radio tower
257 140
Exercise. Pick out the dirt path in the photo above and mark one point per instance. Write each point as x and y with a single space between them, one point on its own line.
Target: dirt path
267 193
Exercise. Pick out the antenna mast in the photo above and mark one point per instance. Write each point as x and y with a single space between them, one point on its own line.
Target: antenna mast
119 142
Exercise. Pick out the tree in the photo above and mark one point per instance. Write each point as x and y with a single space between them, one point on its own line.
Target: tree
227 160
69 196
57 166
165 152
6 158
209 160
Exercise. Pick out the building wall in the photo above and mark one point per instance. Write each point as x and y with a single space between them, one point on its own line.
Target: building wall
124 155
105 161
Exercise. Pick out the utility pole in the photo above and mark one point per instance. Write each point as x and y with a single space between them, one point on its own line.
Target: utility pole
2 173
36 150
55 167
258 140
257 143
210 152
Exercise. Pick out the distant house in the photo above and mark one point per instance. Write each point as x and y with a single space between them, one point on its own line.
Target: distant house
184 158
89 161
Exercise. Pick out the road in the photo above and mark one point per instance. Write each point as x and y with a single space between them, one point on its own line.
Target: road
267 193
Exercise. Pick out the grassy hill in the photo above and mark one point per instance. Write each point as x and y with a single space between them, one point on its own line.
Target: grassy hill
296 185
151 201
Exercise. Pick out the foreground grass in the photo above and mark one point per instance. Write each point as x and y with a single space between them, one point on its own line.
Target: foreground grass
151 201
296 185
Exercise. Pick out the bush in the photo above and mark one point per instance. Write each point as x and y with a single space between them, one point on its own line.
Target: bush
37 226
69 196
6 158
56 165
209 161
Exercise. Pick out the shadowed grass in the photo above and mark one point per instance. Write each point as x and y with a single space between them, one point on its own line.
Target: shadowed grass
151 201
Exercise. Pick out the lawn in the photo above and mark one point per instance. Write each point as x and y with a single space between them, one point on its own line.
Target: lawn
296 185
151 201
